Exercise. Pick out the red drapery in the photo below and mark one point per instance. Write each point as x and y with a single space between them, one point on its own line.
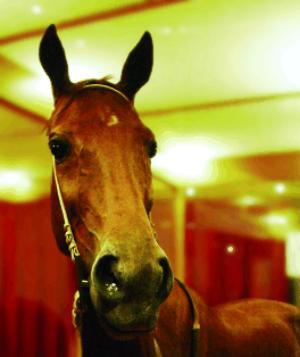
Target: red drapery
223 267
36 285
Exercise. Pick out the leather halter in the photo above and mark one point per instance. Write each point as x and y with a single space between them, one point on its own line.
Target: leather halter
195 344
83 295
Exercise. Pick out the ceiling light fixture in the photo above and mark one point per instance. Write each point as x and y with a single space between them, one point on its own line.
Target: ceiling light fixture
16 182
248 201
36 9
280 188
230 249
186 162
275 219
190 191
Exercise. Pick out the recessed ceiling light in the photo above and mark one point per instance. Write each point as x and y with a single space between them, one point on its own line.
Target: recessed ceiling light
280 188
274 218
36 9
167 30
80 43
190 191
15 181
187 161
248 200
230 249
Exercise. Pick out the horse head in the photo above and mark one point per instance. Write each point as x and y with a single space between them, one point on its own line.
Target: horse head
102 157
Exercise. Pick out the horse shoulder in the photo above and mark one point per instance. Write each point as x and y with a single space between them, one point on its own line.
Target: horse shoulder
254 328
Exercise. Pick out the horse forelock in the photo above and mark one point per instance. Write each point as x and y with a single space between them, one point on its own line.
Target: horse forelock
78 90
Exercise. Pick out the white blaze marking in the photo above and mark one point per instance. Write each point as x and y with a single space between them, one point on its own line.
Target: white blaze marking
113 120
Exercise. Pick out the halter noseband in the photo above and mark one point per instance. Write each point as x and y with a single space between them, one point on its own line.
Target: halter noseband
83 298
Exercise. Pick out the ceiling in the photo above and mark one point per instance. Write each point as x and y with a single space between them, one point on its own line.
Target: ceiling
223 99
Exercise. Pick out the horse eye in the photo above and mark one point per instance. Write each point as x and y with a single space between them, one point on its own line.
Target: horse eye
59 148
151 148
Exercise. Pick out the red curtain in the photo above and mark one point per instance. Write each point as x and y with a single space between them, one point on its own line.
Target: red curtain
222 266
36 285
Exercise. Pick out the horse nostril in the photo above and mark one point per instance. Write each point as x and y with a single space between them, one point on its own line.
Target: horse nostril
104 269
112 286
167 280
104 274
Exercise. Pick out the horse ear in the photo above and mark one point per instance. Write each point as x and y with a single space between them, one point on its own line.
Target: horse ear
54 62
138 66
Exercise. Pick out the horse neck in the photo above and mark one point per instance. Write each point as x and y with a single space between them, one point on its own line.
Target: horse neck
94 342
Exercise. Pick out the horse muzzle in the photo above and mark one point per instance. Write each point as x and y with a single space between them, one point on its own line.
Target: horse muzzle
126 296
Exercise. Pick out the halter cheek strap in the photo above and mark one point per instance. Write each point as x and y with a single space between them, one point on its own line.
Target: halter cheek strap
83 298
69 236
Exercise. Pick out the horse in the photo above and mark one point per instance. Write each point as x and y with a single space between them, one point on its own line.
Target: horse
101 198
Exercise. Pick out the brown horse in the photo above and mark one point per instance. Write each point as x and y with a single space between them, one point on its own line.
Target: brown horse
102 167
